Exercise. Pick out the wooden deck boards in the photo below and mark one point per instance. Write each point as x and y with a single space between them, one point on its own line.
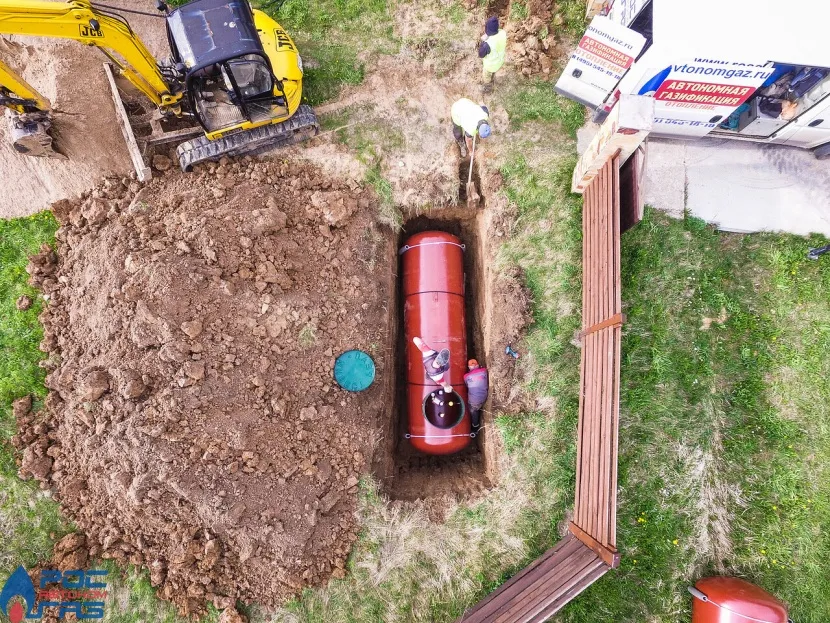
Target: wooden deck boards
542 588
564 570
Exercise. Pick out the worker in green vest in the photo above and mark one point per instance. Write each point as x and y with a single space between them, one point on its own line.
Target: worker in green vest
468 120
491 51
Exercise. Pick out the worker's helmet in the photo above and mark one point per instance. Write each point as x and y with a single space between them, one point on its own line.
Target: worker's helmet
484 130
472 364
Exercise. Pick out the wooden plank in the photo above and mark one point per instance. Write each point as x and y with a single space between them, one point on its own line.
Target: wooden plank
612 537
581 448
562 600
617 359
585 442
143 172
596 527
602 241
593 438
617 235
583 370
514 586
545 583
600 276
614 321
609 555
586 259
592 258
579 429
608 405
550 583
600 493
566 589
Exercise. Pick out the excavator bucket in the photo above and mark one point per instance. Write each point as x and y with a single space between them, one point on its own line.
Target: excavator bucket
30 134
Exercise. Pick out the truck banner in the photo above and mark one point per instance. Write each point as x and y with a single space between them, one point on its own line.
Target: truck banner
601 59
694 96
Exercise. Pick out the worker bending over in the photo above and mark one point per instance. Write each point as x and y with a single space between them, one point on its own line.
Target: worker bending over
468 120
436 364
492 52
477 381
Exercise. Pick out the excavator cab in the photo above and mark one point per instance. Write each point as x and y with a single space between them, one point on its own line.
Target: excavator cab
228 75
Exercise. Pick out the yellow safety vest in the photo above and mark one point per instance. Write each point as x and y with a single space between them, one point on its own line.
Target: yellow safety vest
467 114
498 45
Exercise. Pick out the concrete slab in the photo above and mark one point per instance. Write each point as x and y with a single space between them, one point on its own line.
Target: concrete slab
665 183
585 135
747 187
740 186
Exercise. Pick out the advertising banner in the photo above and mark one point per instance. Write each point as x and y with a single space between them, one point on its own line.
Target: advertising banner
601 59
694 96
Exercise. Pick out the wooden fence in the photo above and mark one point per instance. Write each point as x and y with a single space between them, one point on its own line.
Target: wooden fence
589 550
595 507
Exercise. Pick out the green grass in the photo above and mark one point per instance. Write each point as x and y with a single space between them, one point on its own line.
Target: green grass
518 10
725 443
335 37
538 102
29 520
570 19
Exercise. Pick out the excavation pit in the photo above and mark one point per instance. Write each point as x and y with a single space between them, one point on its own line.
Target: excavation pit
406 473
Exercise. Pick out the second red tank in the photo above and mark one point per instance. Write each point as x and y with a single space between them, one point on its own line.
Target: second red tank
733 600
433 293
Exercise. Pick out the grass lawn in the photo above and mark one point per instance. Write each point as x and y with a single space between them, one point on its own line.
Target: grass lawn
725 435
27 517
335 38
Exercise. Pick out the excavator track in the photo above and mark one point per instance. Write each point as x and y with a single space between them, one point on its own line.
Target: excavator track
301 126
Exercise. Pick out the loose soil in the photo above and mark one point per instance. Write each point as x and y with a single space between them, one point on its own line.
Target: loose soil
193 425
71 76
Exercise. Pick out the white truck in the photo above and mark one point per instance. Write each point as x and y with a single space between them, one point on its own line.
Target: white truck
755 71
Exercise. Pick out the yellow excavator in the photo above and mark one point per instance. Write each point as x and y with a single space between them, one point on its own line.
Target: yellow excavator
233 80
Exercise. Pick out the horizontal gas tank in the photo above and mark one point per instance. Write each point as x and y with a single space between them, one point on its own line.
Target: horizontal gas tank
433 293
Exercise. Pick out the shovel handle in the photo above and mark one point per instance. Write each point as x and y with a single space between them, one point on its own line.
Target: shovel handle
472 157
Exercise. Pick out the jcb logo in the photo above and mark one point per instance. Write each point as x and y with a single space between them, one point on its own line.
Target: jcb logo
88 31
283 40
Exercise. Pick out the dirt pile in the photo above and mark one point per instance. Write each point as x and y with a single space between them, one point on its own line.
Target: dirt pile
532 43
193 425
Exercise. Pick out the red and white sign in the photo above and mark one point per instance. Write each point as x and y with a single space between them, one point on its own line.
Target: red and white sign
599 61
602 53
703 94
692 96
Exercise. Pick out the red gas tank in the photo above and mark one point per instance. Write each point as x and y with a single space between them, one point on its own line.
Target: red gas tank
732 600
433 292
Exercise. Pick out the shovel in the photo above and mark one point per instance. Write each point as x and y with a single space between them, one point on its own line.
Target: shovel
473 198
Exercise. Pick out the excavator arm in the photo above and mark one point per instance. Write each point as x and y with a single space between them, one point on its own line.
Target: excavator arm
28 112
17 94
28 115
82 21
